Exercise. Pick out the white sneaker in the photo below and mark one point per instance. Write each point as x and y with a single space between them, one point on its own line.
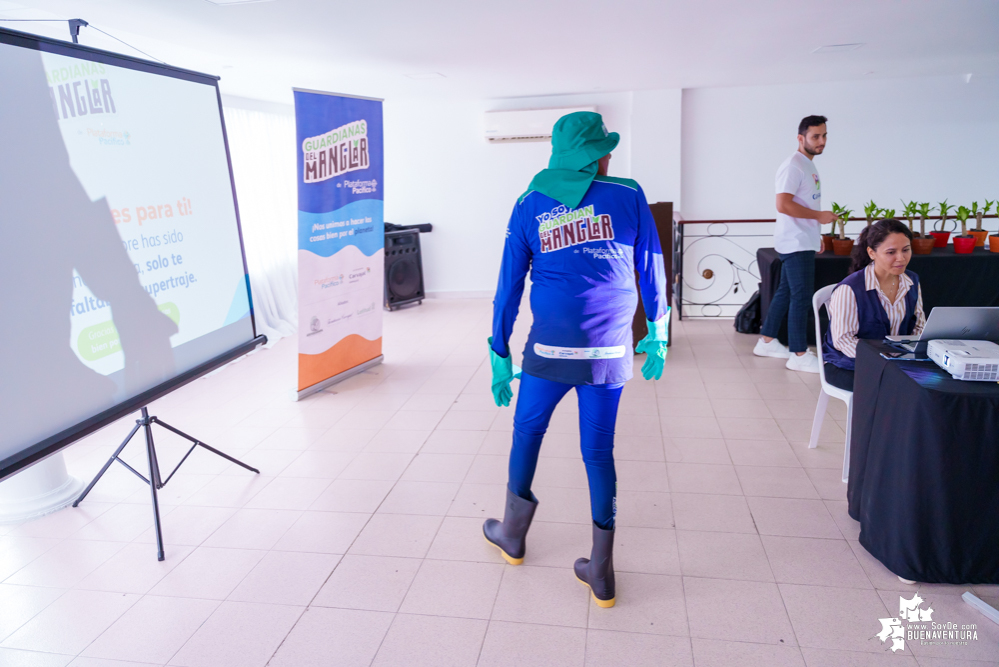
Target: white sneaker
771 349
806 363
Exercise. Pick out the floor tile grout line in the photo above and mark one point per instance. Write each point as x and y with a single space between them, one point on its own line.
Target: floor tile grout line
294 625
10 634
75 588
59 541
683 592
780 593
110 625
492 611
367 523
388 629
441 524
686 616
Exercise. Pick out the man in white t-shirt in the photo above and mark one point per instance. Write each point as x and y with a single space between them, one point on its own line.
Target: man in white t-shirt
797 238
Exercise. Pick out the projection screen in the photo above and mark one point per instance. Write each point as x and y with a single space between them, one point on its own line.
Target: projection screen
122 272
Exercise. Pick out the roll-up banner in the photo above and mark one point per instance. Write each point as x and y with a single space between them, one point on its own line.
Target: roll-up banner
341 237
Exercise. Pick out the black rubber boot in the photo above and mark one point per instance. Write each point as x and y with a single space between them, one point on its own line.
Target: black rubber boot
510 534
597 571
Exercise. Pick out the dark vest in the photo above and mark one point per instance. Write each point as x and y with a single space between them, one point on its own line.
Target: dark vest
873 319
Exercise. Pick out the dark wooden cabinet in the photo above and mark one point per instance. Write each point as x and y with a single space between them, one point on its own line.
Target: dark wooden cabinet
662 212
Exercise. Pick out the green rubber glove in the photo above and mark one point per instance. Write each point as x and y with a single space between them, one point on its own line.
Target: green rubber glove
654 346
504 373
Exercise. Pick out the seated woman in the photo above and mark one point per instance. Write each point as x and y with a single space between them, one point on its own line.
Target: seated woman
879 298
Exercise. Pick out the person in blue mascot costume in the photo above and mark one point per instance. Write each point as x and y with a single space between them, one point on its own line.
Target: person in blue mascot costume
583 235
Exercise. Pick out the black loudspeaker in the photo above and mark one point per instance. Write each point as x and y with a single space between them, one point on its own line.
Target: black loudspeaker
403 269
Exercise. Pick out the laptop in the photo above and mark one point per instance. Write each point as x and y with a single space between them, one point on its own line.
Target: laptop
962 323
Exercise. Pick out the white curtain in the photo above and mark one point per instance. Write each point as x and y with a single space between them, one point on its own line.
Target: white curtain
262 146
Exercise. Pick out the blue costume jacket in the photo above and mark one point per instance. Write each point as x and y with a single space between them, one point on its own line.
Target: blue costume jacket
583 297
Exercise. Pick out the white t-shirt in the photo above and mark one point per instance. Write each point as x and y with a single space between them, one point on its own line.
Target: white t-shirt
797 176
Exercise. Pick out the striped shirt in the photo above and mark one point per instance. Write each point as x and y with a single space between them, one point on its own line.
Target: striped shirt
844 323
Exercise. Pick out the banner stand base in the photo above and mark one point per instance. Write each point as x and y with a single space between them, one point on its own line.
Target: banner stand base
339 377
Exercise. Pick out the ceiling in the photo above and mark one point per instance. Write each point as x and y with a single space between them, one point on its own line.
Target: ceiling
518 48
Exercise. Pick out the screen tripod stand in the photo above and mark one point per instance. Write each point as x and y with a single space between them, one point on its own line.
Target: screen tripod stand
155 481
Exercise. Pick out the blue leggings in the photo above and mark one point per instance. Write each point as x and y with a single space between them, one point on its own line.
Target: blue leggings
597 415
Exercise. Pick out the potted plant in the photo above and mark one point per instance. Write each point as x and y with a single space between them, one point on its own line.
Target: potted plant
978 213
827 239
909 212
923 244
994 239
871 211
886 213
964 243
841 244
940 235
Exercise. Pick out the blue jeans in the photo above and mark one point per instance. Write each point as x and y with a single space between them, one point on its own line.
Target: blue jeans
793 299
597 416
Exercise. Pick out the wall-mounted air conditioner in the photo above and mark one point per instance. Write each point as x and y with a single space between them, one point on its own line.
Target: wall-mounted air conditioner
526 124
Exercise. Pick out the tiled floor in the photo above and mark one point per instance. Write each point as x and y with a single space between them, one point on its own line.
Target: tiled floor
360 541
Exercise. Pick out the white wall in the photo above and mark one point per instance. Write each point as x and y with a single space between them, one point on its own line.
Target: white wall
440 169
655 146
713 152
925 139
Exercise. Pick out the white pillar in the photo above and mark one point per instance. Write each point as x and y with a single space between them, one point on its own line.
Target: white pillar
41 489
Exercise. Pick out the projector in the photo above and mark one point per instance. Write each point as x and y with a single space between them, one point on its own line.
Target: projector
966 359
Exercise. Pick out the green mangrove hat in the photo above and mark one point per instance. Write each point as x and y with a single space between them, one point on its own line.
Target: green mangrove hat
579 140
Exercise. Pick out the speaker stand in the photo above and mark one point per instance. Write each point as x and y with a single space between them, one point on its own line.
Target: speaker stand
155 480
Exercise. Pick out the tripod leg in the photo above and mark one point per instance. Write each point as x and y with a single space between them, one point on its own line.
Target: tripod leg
201 444
154 483
226 456
106 466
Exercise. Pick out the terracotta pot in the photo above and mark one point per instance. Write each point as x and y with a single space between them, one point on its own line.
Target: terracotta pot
827 245
964 245
842 246
923 246
994 243
979 237
941 238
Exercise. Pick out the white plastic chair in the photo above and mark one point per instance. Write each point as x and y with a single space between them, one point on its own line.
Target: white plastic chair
820 299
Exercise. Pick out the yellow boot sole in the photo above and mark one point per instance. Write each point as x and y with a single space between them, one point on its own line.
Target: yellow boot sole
507 557
606 604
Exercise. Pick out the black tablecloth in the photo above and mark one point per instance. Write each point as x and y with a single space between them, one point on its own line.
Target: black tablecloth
947 279
924 469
